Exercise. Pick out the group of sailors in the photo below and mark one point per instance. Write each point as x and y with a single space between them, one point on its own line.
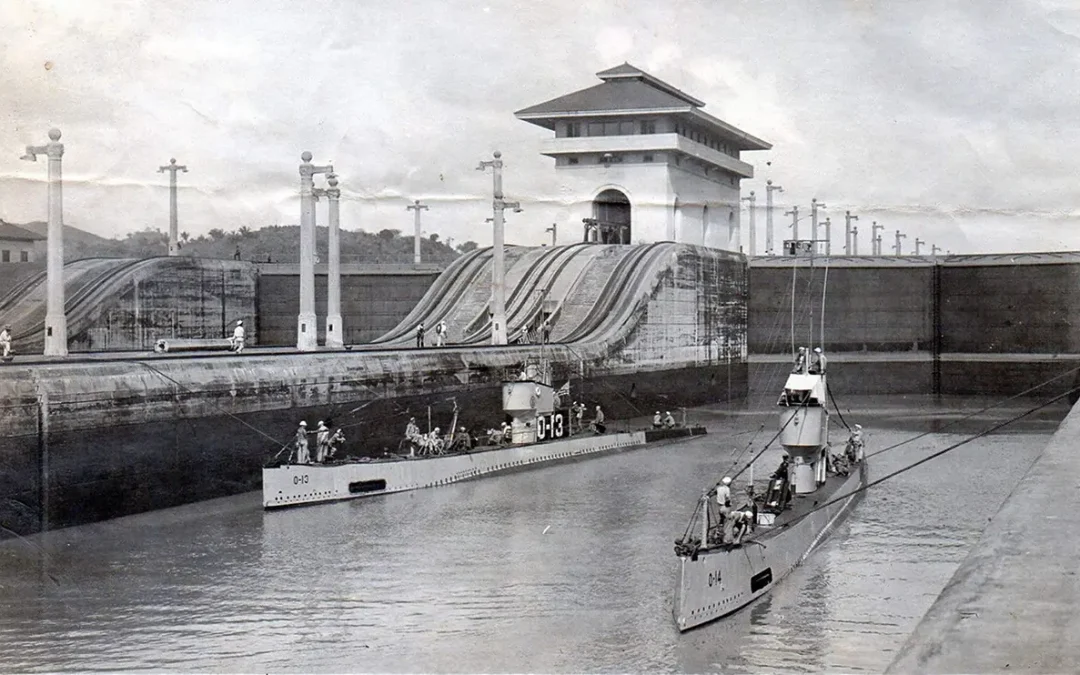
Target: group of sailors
435 442
811 366
440 334
542 333
731 525
326 445
665 422
526 335
782 482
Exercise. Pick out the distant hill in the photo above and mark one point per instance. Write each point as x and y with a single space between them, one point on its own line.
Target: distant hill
72 235
275 243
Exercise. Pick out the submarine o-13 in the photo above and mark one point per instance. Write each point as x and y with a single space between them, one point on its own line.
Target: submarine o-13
539 432
729 557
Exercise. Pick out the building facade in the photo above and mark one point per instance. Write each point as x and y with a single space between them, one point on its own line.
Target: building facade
18 244
639 161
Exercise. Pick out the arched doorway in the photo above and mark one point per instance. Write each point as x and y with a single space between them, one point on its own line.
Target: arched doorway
611 219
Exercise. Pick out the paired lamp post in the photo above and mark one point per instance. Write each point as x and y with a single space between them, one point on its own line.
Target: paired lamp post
55 320
306 334
498 276
850 247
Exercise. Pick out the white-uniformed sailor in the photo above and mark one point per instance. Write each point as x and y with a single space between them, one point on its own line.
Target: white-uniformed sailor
238 336
303 456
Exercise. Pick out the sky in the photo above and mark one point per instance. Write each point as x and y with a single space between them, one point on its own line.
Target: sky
957 122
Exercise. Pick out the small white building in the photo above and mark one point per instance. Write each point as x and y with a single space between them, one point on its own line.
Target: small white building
18 244
640 162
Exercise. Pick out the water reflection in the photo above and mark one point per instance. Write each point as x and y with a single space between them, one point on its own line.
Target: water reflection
564 569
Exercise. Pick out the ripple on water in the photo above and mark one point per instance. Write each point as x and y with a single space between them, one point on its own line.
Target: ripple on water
465 579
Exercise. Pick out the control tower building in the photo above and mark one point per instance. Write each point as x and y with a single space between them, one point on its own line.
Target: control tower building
639 161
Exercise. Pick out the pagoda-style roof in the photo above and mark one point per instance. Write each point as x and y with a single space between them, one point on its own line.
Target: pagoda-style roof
612 96
627 90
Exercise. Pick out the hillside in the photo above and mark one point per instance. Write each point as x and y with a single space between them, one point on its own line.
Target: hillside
275 243
76 241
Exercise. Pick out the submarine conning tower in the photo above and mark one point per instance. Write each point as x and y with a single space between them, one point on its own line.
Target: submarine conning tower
804 426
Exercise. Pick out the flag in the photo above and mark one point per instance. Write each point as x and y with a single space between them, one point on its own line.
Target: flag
563 391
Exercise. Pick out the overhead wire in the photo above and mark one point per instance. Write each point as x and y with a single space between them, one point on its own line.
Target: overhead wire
920 462
1027 391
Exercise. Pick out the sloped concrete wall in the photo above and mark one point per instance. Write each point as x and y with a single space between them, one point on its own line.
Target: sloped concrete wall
85 441
179 298
697 312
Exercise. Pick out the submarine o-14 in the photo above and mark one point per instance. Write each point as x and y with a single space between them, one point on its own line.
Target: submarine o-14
730 557
539 432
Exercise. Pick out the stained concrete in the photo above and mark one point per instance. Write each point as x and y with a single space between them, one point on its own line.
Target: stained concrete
85 440
984 324
374 299
1014 603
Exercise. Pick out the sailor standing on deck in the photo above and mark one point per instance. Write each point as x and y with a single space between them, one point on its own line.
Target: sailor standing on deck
598 421
420 335
855 444
335 442
723 495
5 340
440 333
657 422
302 454
238 336
412 435
322 442
800 361
818 364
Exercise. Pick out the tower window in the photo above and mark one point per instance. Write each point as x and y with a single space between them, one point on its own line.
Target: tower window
647 157
648 127
571 160
24 256
573 129
6 256
596 128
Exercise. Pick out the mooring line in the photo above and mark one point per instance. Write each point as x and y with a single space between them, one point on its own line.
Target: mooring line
924 460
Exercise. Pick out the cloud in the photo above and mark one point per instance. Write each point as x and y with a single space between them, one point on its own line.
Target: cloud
960 120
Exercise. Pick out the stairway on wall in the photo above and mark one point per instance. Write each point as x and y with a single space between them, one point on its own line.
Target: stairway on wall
583 296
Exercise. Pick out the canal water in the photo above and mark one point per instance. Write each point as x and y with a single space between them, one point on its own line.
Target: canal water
568 568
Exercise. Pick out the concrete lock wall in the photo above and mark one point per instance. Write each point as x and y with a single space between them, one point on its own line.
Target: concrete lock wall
374 299
990 324
1015 308
180 298
82 442
128 304
876 309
